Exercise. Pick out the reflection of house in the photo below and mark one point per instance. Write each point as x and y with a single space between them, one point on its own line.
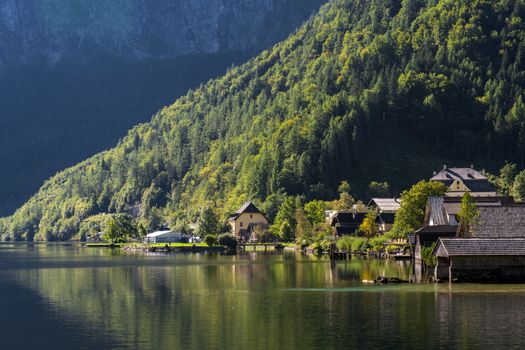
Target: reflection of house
495 251
386 209
166 236
347 222
441 218
461 180
247 215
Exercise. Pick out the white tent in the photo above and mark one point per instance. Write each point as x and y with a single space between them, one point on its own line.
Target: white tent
167 236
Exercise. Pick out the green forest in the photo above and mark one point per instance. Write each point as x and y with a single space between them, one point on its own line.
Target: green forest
375 90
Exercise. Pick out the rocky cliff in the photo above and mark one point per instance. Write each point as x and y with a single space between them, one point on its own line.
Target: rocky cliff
76 74
137 29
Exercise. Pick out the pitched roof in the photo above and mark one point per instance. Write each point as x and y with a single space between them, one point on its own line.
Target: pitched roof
386 218
386 204
247 207
458 174
160 233
480 246
436 214
473 179
348 218
500 222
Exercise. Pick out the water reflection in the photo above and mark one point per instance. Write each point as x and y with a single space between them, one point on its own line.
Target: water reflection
107 299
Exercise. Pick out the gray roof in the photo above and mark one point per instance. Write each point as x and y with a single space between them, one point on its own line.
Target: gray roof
386 205
439 207
458 173
500 222
480 246
473 179
437 229
436 212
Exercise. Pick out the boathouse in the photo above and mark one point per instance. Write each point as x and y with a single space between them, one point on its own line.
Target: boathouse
441 218
495 252
480 259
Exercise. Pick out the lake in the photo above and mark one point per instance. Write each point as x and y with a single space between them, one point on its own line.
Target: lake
69 297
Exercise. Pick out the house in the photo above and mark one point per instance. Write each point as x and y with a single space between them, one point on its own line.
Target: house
166 236
494 251
387 209
346 222
247 215
461 180
441 218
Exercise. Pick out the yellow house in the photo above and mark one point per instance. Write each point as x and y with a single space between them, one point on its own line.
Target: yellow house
247 215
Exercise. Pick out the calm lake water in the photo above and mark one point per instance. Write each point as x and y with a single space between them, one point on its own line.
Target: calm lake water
69 297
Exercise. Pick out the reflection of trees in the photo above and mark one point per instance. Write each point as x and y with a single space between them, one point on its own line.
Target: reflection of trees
262 301
357 269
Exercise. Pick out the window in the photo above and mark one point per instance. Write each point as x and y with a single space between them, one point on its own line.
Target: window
241 224
251 216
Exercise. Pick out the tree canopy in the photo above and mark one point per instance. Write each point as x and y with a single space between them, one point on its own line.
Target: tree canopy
379 89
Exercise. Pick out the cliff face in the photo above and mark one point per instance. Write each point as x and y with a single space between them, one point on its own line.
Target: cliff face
75 75
135 29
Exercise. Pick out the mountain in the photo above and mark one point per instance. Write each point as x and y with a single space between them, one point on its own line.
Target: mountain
383 90
75 75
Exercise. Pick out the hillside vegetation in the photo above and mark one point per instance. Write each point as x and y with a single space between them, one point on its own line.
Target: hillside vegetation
366 90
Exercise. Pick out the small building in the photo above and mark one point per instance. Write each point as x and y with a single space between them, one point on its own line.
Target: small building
247 215
441 218
387 209
461 180
166 236
480 259
494 250
347 222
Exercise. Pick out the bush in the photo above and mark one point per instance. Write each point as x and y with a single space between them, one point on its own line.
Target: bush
359 245
427 256
228 240
391 249
210 240
345 243
378 243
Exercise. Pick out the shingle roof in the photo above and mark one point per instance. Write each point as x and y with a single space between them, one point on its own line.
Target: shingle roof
348 218
500 222
386 204
436 212
452 229
458 173
480 246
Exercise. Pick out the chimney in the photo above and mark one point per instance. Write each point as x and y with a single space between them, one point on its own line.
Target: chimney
444 167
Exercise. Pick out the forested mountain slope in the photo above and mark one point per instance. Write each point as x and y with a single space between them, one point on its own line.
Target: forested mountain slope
366 90
76 75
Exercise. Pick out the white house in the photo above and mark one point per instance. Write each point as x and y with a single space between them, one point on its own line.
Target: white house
166 236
